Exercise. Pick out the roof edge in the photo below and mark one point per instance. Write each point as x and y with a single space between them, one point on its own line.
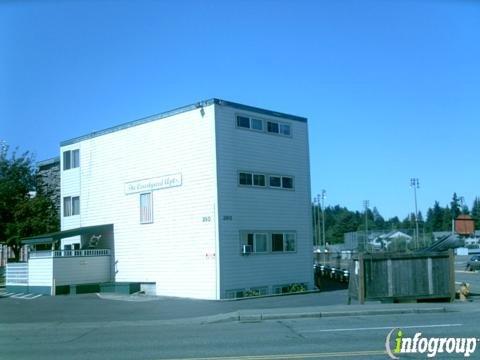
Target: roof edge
50 161
180 110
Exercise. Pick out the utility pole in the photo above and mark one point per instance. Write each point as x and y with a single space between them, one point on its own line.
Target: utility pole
314 213
324 195
415 185
365 205
319 234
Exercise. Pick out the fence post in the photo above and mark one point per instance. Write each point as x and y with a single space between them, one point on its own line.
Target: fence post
361 279
451 258
53 287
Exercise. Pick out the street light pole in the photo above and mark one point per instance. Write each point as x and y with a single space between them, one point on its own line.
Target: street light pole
319 234
314 219
324 195
415 185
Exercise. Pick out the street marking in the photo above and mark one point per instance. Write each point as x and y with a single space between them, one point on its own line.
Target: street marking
16 295
380 328
35 296
30 296
22 296
293 356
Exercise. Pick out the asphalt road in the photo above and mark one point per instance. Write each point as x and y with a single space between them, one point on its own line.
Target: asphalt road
323 338
88 327
88 307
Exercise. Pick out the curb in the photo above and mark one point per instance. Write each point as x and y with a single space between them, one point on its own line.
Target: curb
260 316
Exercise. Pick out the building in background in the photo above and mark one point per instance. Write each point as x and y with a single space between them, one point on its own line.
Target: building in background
208 201
48 175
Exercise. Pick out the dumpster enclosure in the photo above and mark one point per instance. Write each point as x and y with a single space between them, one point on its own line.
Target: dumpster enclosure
399 277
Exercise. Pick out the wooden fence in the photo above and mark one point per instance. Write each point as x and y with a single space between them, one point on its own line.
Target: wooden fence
402 277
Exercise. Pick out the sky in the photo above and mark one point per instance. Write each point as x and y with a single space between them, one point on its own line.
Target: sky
391 88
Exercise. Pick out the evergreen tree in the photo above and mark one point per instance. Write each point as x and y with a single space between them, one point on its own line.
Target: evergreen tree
393 223
476 212
378 219
455 206
447 219
436 218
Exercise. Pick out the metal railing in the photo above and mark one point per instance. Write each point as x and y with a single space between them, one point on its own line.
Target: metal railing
69 253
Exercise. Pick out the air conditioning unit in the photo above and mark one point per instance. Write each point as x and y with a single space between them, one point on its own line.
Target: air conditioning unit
247 249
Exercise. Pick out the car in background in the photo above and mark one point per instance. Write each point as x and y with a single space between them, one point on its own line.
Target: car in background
474 263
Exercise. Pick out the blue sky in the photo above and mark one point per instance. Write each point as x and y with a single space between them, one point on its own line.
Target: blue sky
391 88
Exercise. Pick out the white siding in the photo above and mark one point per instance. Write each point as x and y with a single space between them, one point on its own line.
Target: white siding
81 270
40 271
177 250
262 208
187 250
70 184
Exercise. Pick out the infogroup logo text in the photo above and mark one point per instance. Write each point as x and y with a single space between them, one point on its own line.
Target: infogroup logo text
430 346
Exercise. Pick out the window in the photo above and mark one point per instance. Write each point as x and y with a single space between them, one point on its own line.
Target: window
234 294
75 158
289 288
279 128
71 205
249 179
75 205
259 291
272 127
245 178
290 242
67 164
277 242
285 129
146 208
257 124
258 180
275 181
241 293
287 182
243 122
284 242
67 206
71 159
258 242
281 289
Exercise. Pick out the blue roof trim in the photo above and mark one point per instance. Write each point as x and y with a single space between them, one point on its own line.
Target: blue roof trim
260 110
50 161
179 111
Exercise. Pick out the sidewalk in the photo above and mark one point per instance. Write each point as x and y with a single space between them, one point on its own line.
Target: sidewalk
136 309
373 309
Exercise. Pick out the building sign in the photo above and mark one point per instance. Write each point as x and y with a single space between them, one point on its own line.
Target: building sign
163 182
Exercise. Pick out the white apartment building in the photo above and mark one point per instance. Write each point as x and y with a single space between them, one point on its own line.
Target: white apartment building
209 201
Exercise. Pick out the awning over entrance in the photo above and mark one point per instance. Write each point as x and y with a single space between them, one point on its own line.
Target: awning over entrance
56 236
